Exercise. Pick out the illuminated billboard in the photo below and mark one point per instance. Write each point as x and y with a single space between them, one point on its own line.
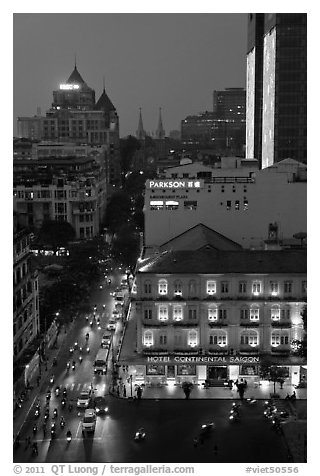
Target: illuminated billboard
69 86
165 184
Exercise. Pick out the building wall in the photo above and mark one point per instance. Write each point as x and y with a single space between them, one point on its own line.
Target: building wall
232 313
238 203
25 296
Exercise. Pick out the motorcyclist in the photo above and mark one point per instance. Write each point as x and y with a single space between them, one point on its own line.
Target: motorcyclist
87 336
55 413
69 435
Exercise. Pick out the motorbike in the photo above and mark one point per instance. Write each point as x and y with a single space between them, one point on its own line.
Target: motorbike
95 307
276 424
71 350
55 413
57 391
53 430
46 415
37 411
64 393
52 379
54 362
75 345
62 423
251 401
35 449
140 434
80 350
73 365
69 436
68 366
206 428
103 306
48 396
88 349
234 415
34 429
87 336
87 318
91 323
80 359
63 402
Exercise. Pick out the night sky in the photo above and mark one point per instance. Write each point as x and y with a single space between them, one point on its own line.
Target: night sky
149 60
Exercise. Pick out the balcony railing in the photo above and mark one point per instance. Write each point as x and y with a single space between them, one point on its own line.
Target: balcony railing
280 324
218 323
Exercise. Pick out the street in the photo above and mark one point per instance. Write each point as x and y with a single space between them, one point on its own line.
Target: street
171 426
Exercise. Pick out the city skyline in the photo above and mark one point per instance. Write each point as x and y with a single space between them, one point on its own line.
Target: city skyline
131 81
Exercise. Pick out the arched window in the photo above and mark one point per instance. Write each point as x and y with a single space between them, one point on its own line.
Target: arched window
250 337
163 339
193 338
163 313
212 313
162 286
256 288
244 313
275 312
218 338
177 312
254 313
148 338
278 338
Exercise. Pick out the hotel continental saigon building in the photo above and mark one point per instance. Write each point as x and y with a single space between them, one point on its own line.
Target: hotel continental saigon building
205 313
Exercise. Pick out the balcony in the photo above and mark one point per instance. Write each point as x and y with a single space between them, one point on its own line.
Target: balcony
218 323
280 350
218 351
184 323
282 325
248 323
210 297
248 350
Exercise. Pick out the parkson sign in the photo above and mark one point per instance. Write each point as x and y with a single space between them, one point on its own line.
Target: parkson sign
224 360
164 184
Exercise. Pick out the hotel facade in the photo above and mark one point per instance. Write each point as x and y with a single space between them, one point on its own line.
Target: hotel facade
206 314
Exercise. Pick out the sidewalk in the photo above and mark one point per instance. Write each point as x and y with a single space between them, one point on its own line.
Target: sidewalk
176 392
20 414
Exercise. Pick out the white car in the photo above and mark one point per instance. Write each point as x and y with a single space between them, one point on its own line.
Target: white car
84 399
106 340
89 420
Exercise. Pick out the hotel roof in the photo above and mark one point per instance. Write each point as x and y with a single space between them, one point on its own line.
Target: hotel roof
210 261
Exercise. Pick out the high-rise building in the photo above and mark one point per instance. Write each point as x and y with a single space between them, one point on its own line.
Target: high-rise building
76 117
277 87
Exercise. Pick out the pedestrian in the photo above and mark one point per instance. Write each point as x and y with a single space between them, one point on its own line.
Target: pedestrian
245 383
195 442
28 441
118 390
139 393
124 391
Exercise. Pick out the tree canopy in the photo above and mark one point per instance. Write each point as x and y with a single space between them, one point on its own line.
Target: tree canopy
56 233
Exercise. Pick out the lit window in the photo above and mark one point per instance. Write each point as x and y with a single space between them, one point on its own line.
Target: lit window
249 338
218 339
277 339
254 314
178 288
148 339
163 287
163 313
212 314
193 338
256 287
275 313
177 313
211 287
274 288
237 205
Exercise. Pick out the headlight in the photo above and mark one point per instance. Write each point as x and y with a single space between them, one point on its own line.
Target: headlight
106 409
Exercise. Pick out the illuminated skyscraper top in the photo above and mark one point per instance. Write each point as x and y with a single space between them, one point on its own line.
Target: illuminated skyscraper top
74 94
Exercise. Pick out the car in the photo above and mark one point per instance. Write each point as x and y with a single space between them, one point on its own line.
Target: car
89 420
101 405
84 399
115 315
111 326
106 340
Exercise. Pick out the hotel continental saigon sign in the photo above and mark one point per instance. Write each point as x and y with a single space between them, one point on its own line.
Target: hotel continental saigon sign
213 360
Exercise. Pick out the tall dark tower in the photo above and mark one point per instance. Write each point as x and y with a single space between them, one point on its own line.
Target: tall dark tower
160 133
277 87
74 93
140 133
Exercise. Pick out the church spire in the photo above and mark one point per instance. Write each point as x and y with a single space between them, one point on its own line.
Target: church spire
140 133
160 132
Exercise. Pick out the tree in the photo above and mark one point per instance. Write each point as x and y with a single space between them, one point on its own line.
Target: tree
118 211
128 147
56 233
272 373
126 246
